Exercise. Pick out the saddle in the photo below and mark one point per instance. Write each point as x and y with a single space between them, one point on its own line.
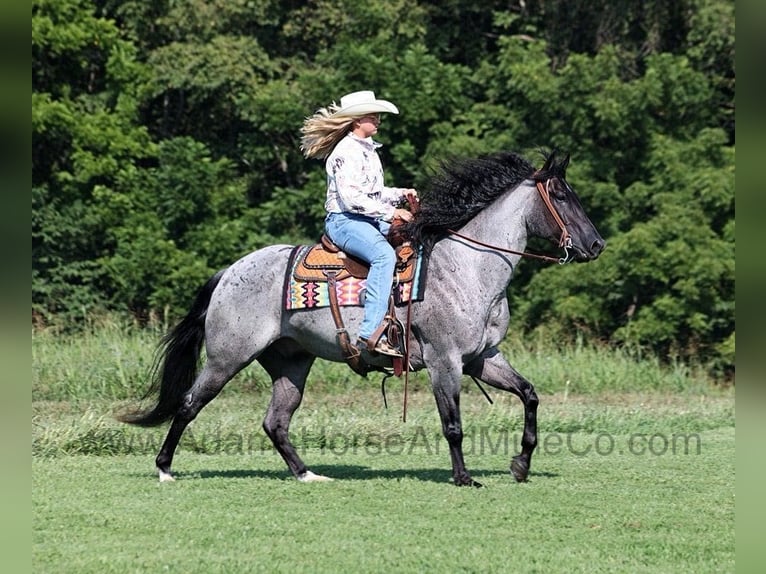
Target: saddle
326 258
326 262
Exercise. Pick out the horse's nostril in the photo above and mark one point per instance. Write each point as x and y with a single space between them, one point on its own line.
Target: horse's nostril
598 246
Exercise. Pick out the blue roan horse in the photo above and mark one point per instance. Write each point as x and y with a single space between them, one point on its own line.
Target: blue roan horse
494 203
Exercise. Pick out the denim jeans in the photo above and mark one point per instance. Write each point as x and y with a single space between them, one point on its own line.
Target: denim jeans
365 238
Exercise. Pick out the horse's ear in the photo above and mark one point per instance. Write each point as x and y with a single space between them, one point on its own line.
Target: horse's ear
565 164
549 161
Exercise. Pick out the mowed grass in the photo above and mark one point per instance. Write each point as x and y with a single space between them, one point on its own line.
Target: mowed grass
388 512
626 478
649 488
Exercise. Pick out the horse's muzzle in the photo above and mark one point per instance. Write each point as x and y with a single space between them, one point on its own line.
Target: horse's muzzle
591 252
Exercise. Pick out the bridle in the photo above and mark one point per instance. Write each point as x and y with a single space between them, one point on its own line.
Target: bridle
565 241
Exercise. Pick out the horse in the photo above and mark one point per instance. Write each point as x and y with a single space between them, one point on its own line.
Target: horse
474 221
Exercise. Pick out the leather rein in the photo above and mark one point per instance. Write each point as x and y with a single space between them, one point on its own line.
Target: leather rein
565 241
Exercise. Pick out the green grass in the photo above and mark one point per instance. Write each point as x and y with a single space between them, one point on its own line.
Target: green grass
112 361
620 483
232 422
390 511
634 472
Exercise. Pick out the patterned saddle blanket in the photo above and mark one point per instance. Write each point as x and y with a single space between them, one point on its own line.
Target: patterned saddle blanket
306 283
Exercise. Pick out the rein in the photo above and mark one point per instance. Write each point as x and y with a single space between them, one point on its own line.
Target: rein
565 241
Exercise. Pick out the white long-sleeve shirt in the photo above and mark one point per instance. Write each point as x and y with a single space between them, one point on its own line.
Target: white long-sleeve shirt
355 180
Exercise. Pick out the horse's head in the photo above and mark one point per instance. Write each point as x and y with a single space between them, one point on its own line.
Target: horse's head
565 220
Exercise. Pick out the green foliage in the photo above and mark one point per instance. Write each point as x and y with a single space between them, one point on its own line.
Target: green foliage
319 27
711 51
165 145
181 223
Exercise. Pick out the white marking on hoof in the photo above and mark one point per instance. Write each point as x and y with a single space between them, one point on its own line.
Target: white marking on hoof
309 476
166 477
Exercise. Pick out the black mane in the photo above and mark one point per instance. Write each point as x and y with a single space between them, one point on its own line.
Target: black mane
461 188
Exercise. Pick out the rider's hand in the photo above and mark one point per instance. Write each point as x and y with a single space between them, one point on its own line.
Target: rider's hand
402 214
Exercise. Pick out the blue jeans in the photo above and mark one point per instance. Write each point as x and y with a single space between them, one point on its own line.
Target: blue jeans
365 238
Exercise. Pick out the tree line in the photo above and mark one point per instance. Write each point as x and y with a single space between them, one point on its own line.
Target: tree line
165 145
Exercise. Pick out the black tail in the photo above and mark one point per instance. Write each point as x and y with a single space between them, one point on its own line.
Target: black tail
175 366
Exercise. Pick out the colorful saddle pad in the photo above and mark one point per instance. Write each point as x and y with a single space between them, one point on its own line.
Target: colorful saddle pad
306 282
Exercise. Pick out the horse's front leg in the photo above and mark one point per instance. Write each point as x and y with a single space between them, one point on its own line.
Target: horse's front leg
446 388
492 368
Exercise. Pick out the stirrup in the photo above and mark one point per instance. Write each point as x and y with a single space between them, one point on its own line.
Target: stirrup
382 347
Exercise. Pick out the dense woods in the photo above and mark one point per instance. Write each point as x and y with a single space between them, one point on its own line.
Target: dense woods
165 145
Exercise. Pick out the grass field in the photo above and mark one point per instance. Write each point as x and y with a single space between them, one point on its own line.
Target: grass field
624 480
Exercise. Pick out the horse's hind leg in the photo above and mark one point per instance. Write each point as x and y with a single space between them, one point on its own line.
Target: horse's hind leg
288 369
205 388
493 369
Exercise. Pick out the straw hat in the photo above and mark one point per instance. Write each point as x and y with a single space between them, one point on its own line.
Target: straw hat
364 102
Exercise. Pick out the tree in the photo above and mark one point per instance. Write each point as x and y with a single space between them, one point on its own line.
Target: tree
84 81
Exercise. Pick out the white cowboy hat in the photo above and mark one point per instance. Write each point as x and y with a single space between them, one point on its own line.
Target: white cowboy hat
364 102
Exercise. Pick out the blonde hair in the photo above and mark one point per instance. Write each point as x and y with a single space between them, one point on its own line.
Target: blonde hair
322 131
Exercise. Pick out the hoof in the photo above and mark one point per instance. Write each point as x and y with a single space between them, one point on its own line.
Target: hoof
519 469
467 481
166 476
309 476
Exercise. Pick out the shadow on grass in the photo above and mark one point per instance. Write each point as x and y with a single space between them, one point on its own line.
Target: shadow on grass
356 472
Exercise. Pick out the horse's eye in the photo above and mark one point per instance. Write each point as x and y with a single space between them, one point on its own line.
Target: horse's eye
559 192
